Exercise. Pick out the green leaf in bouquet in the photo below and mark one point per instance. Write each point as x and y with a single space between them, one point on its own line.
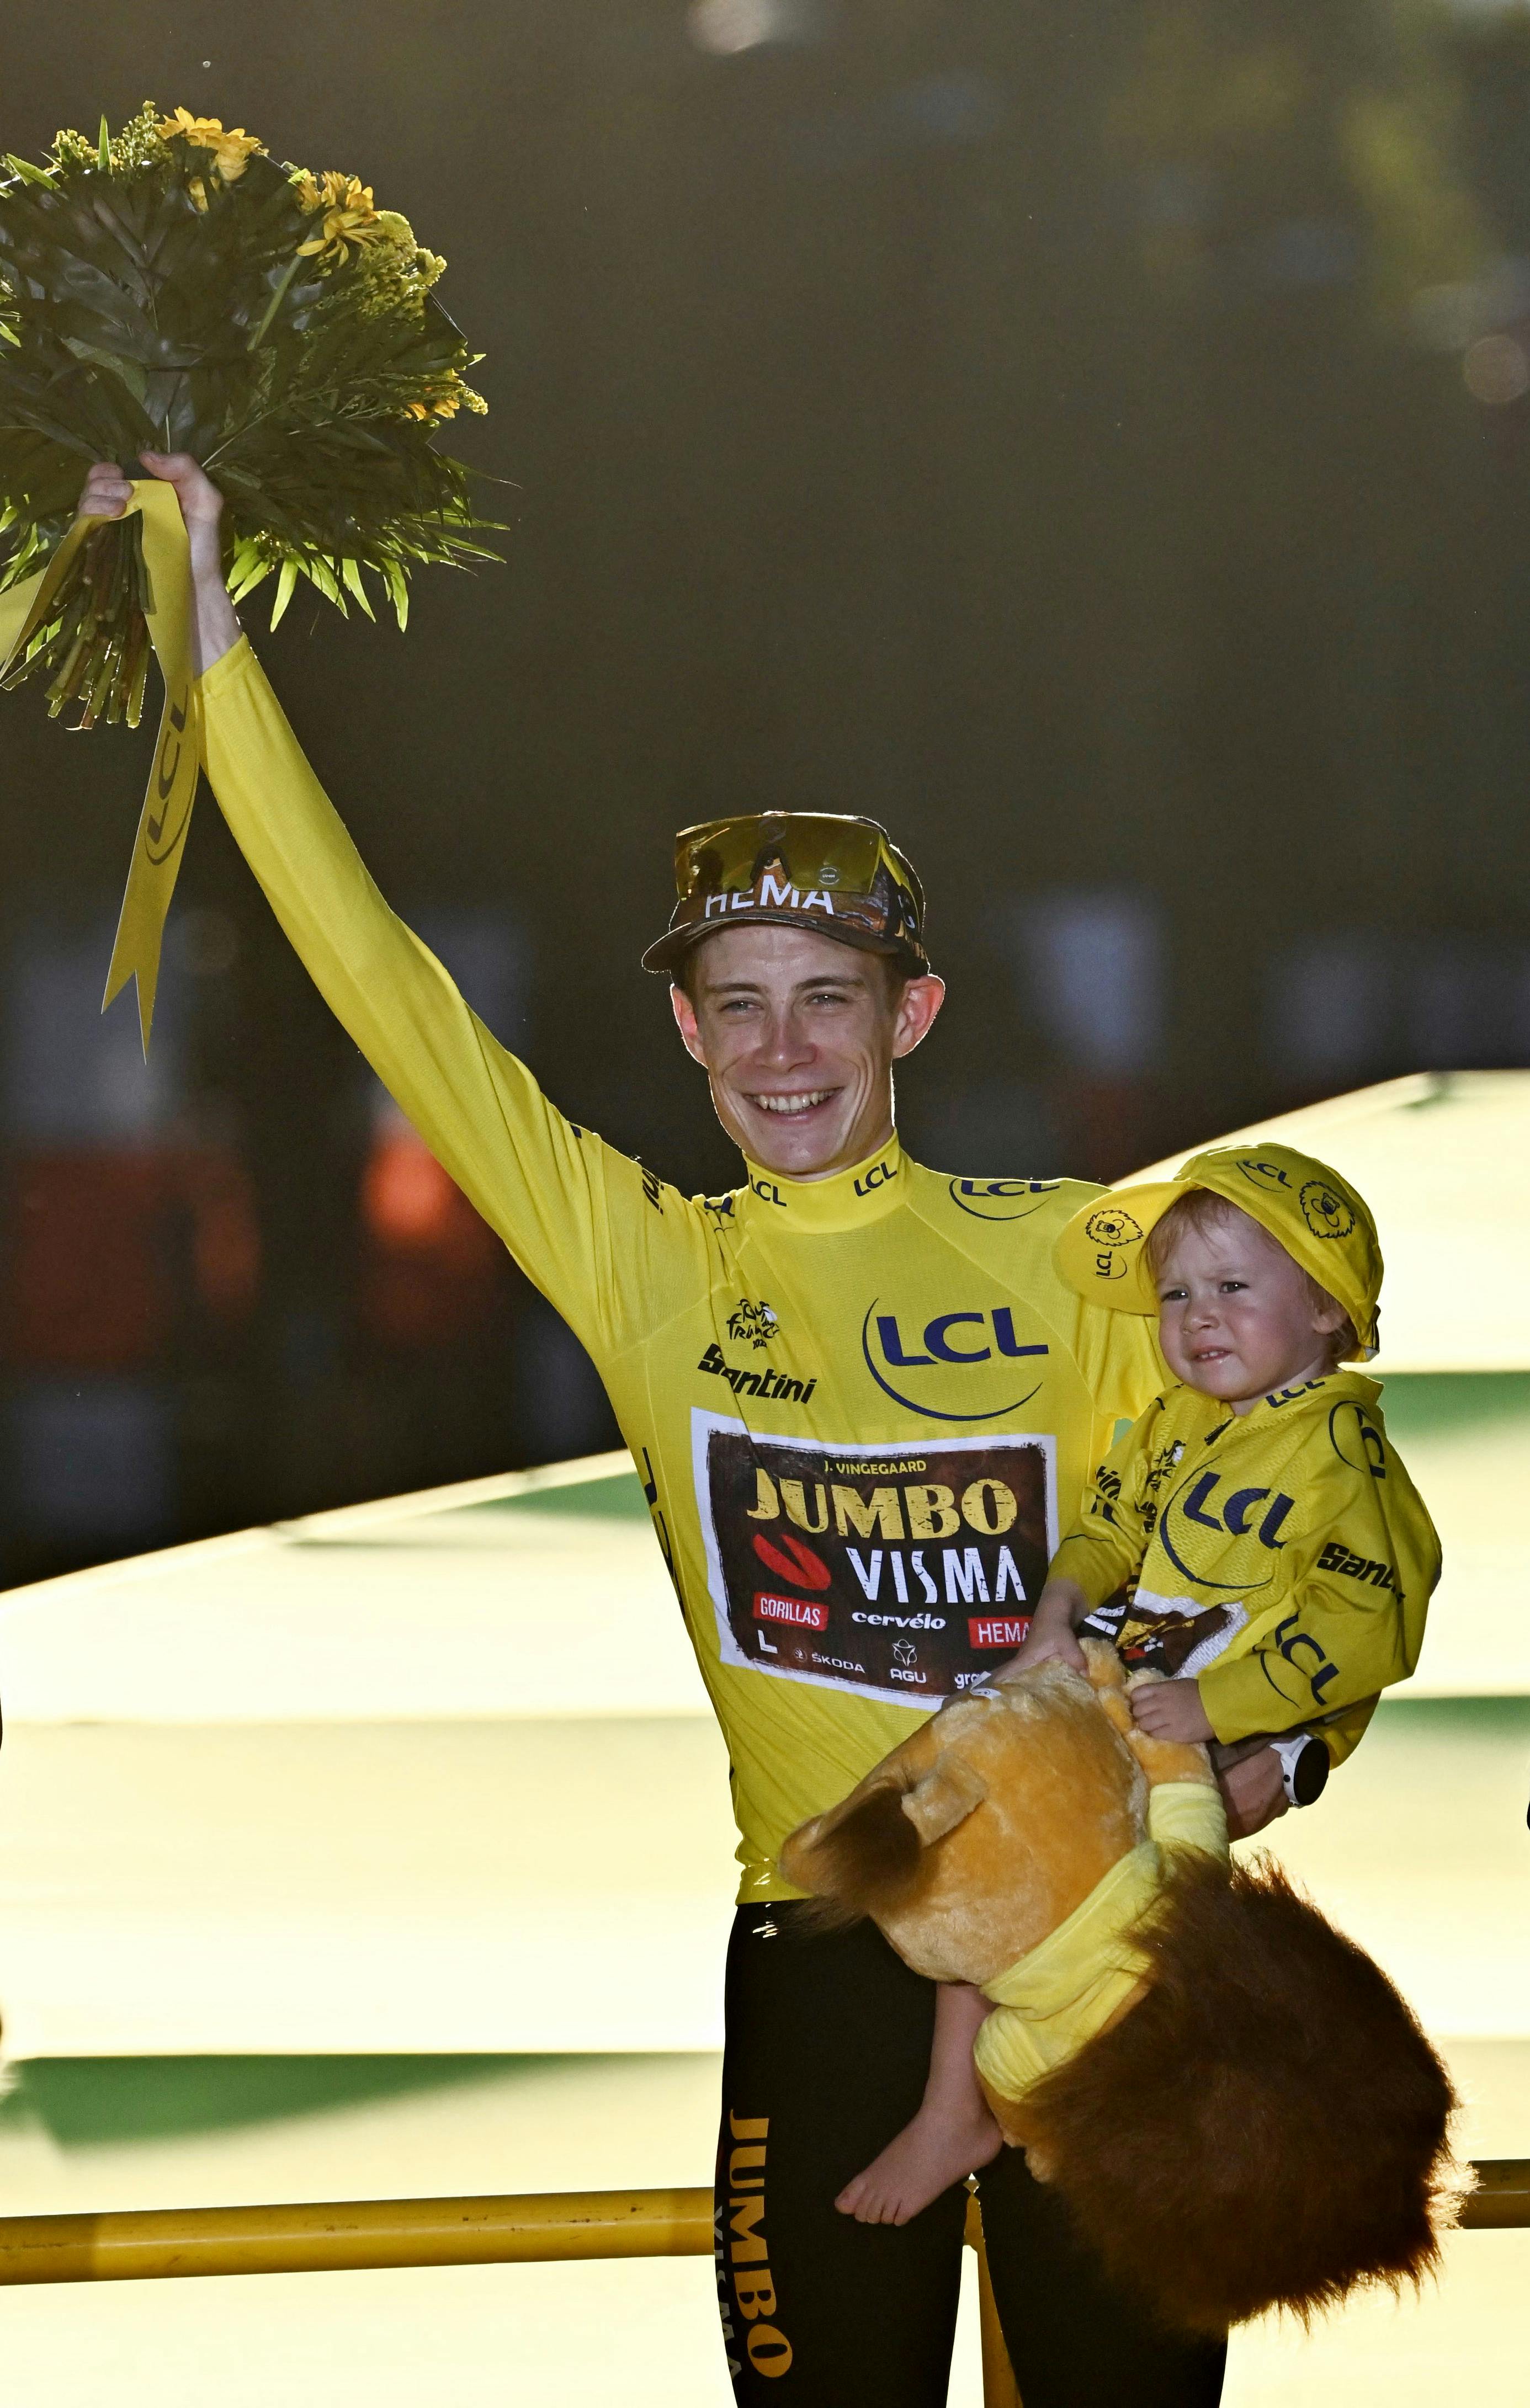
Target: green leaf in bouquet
319 573
126 371
248 568
27 172
397 585
287 585
351 572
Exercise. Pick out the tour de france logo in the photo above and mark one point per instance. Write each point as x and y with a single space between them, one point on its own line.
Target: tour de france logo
754 1322
1329 1213
1110 1226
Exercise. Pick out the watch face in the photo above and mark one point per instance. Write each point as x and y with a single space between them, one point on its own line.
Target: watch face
1308 1775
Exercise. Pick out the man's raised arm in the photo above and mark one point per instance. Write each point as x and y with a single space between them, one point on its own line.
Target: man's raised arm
559 1199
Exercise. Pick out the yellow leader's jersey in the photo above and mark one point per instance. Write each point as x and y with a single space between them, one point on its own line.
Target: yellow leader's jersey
1282 1557
860 1405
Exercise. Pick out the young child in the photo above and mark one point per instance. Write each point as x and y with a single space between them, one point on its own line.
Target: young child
1253 1543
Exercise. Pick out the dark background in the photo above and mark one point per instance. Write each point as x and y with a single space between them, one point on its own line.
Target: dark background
1090 439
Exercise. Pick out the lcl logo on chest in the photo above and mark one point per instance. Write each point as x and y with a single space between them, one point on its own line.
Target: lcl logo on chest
1237 1510
916 1361
1243 1514
952 1338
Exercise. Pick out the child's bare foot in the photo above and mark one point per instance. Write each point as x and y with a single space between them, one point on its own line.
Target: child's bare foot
927 2157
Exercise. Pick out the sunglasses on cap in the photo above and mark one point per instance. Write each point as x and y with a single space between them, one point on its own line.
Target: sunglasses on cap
841 876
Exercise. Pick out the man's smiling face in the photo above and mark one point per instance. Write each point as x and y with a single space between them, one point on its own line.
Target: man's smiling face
797 1034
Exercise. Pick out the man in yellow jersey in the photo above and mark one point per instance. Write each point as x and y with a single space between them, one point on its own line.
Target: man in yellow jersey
864 1405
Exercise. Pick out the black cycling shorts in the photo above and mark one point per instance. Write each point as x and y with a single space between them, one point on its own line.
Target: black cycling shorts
828 2048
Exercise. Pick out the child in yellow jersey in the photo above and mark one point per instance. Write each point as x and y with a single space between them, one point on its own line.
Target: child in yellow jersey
1252 1540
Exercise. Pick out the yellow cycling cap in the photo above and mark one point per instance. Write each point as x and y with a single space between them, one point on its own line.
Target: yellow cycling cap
825 870
1306 1208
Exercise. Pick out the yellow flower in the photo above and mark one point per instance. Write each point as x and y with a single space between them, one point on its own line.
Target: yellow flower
232 151
398 229
451 397
349 216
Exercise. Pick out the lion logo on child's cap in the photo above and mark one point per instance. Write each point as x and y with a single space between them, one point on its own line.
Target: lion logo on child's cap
1112 1227
1328 1211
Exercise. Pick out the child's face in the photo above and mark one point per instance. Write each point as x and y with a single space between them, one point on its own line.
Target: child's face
1237 1318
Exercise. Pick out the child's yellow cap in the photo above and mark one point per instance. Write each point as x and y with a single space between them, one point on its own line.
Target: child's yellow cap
1320 1221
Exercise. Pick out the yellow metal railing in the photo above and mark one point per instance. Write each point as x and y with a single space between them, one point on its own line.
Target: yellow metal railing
1501 2201
358 2234
354 2234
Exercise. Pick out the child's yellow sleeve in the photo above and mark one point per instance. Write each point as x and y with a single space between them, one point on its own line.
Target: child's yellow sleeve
1104 1548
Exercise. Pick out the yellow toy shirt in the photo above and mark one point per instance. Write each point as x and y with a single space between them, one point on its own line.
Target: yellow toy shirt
1282 1557
860 1405
1053 2002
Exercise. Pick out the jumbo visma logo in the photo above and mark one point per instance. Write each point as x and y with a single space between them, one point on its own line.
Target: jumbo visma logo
928 1367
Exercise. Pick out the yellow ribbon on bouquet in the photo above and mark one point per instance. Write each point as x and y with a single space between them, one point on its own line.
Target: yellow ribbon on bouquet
161 840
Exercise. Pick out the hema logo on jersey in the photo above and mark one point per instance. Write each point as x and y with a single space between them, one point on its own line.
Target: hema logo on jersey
926 1363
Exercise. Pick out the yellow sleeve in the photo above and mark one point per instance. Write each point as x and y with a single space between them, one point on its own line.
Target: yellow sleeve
1118 1356
1105 1546
1360 1578
1187 1814
609 1246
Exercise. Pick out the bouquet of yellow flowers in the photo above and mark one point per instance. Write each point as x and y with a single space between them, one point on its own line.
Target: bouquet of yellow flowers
171 288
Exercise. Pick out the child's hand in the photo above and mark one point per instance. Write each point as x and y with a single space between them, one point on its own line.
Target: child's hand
1044 1640
1060 1606
1170 1710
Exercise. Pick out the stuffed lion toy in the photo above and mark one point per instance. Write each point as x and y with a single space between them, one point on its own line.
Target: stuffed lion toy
1237 2106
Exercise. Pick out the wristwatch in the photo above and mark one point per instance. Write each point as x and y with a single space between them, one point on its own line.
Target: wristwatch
1304 1766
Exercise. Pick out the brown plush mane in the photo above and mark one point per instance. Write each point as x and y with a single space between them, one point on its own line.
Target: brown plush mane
1269 2121
869 1860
